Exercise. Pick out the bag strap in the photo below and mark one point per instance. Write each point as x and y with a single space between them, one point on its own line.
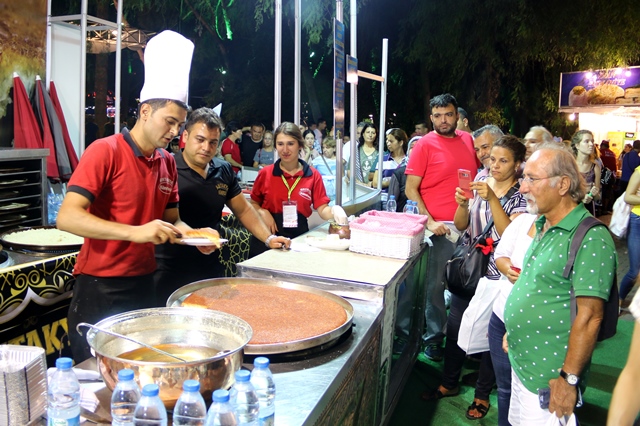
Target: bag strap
586 224
326 164
503 201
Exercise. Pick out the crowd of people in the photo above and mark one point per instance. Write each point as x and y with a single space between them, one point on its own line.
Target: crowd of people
528 196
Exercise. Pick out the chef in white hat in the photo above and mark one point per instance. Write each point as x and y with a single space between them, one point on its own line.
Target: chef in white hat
123 197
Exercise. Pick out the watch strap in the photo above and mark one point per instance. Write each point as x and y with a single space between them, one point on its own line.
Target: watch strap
569 378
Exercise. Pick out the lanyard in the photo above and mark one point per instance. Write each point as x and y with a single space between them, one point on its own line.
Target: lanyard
290 188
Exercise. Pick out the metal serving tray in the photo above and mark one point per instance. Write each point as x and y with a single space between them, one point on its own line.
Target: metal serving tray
182 293
39 248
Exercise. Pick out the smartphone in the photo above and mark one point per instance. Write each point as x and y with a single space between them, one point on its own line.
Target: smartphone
545 393
515 269
543 397
464 181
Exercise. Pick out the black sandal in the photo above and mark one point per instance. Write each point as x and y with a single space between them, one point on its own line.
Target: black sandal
437 394
480 408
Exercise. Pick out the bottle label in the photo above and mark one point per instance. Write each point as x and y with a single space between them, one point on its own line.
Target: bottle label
267 421
75 421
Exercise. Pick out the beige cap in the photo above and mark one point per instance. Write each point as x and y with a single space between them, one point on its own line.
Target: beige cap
167 63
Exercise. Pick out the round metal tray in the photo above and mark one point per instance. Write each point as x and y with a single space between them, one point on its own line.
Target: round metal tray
66 248
182 293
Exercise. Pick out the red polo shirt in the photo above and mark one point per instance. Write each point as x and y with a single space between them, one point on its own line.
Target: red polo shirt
230 147
126 187
436 159
269 191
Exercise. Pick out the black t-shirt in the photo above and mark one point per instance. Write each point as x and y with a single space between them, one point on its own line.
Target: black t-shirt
248 149
201 203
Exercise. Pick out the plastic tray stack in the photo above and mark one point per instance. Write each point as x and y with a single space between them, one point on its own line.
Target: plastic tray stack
387 234
23 384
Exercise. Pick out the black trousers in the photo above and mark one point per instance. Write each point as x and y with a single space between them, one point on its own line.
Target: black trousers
172 274
454 357
96 298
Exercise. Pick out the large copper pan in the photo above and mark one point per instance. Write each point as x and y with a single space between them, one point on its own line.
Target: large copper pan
182 293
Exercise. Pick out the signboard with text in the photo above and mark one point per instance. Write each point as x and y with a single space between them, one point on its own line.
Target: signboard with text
608 87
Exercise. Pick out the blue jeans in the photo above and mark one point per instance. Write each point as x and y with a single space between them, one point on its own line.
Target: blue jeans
501 368
633 245
435 312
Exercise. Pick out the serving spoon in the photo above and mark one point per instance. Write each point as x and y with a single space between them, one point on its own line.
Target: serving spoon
102 330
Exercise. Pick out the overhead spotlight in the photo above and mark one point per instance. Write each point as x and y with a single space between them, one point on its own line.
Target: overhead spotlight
572 117
627 73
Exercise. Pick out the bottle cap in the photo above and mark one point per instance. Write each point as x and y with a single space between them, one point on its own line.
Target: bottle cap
261 362
220 395
64 363
191 386
150 390
243 376
392 197
125 374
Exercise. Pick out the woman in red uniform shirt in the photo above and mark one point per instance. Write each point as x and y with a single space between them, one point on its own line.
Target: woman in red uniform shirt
285 193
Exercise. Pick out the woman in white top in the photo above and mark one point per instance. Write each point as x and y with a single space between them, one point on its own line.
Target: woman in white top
509 257
326 165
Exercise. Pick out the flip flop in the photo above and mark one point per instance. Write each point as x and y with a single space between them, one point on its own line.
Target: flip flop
480 408
437 394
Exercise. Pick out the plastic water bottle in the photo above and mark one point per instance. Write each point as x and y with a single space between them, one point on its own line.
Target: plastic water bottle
262 380
150 410
391 204
407 207
414 207
384 197
221 413
124 399
244 399
190 410
63 395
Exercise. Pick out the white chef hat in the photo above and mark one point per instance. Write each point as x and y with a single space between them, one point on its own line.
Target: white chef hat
167 62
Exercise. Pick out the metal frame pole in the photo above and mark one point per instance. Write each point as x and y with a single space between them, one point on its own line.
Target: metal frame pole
119 66
354 100
339 165
297 72
383 108
83 71
277 92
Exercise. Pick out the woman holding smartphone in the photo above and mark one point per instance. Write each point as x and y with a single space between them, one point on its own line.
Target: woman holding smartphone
495 198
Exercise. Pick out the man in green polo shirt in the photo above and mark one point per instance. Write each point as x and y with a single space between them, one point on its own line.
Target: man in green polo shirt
546 349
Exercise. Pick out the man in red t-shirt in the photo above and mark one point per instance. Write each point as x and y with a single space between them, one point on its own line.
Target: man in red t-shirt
432 178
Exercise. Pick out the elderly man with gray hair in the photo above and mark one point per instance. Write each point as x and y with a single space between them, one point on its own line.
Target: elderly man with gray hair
550 352
535 136
483 140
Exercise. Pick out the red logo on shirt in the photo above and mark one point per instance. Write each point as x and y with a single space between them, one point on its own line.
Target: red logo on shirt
166 185
305 193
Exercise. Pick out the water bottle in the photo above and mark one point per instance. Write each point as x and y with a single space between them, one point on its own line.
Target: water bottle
244 399
124 399
63 395
150 410
221 413
384 197
414 207
262 381
190 410
407 207
391 204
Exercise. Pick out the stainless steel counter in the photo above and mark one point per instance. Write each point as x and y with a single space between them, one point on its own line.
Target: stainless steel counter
396 285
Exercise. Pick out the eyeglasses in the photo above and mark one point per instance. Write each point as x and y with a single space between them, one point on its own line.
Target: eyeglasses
532 181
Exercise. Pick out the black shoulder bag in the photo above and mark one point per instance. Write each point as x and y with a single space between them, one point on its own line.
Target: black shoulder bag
470 261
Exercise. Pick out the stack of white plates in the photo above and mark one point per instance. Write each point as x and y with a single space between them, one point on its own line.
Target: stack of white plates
23 384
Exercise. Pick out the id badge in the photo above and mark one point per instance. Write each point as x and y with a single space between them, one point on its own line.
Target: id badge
289 214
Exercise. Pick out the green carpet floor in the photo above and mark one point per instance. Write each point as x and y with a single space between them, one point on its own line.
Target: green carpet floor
609 358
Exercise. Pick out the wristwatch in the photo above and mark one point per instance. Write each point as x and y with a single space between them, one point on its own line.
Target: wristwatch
571 379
